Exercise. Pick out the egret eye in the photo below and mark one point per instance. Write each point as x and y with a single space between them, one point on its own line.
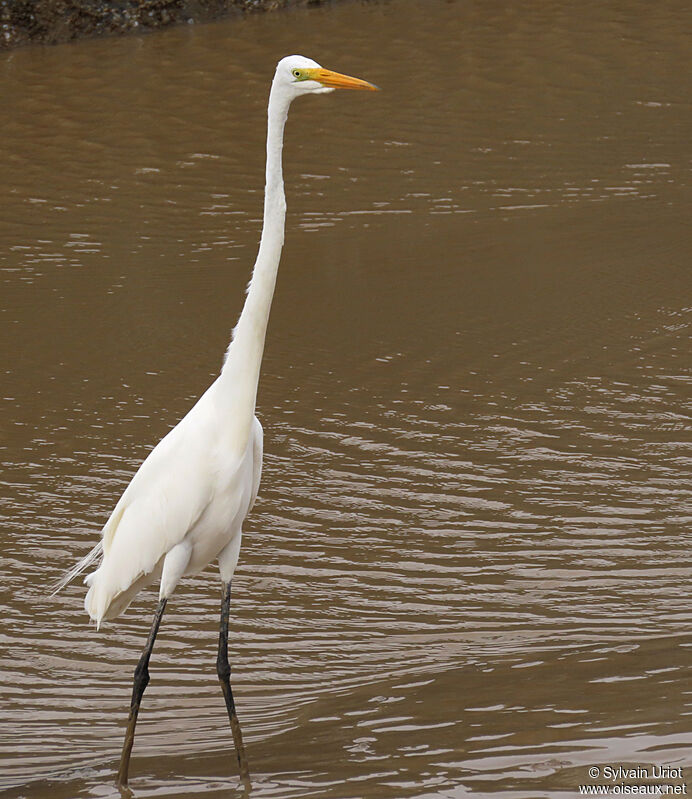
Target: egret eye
296 73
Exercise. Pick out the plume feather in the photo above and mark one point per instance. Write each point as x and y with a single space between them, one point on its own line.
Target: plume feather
78 568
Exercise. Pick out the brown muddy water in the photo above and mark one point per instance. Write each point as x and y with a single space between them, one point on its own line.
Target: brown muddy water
468 570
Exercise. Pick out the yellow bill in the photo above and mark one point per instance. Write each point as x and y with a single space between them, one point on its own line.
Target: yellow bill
335 80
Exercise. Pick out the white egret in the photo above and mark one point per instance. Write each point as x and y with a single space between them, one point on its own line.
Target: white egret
186 504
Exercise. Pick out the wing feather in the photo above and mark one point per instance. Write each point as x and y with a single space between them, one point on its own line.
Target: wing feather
164 500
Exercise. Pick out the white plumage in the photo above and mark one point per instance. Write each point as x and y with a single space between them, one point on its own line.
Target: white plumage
186 505
184 508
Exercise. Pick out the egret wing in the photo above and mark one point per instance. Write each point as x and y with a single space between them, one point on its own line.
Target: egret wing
164 500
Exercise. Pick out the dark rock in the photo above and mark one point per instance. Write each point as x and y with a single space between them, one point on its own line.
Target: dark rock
53 21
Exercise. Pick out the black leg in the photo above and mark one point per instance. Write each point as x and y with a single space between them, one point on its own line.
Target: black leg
223 669
140 683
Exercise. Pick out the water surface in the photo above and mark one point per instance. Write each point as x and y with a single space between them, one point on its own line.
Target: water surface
468 569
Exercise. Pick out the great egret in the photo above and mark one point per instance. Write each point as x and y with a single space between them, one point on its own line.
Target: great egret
186 504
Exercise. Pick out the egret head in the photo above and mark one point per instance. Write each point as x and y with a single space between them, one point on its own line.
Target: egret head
298 75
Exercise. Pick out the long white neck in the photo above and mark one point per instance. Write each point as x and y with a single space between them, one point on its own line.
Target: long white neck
240 373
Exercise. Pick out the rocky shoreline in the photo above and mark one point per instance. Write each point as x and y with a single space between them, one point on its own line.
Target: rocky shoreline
53 21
